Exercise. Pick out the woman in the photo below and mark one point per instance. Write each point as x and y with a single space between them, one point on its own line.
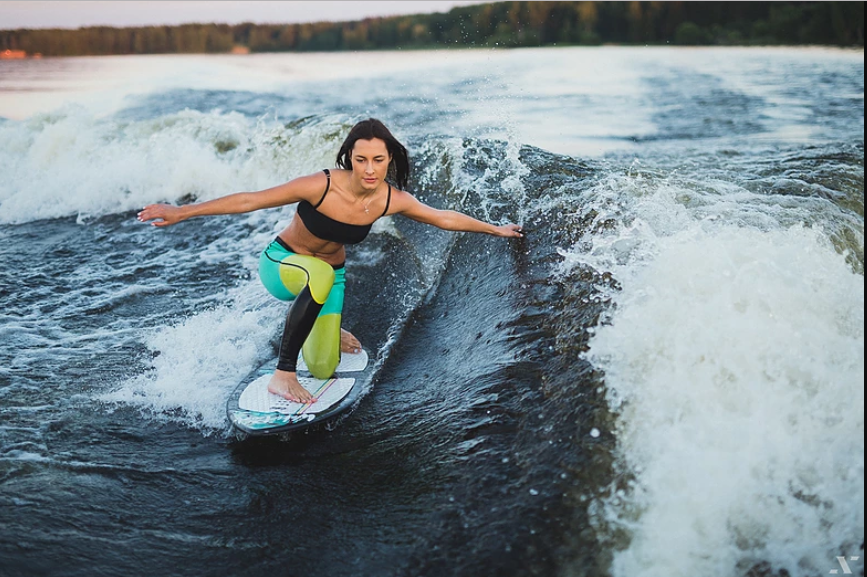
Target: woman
305 262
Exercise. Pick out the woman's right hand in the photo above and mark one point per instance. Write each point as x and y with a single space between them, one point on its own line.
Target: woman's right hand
509 231
161 214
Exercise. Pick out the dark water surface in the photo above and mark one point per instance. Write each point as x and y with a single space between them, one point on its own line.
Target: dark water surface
649 384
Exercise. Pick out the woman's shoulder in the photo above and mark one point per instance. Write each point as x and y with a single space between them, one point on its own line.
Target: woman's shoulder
337 176
309 187
400 200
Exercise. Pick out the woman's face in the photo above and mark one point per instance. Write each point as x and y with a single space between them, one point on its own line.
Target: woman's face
370 160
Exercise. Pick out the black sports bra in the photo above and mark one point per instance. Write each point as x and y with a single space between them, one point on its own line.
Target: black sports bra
326 228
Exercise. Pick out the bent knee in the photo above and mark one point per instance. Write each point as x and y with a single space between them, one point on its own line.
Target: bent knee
299 271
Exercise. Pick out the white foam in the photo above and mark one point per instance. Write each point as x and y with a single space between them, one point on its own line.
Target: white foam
201 360
27 456
735 360
70 163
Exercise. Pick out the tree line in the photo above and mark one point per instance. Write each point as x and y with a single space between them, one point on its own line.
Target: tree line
498 24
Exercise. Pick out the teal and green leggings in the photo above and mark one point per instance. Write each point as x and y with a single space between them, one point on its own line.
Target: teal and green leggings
316 290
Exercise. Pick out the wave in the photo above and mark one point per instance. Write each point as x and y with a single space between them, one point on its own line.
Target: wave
733 361
667 321
69 163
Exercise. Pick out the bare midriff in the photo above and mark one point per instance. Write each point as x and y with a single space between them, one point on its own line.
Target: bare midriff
302 241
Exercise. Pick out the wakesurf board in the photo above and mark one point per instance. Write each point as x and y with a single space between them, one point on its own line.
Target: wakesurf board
253 411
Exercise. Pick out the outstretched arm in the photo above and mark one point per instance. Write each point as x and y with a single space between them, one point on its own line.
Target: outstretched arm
410 207
296 190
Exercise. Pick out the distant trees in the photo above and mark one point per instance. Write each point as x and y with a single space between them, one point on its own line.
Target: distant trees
505 24
103 40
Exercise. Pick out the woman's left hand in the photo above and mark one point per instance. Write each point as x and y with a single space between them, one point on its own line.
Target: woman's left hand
509 231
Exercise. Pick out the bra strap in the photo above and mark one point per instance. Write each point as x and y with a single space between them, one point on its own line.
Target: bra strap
327 187
387 202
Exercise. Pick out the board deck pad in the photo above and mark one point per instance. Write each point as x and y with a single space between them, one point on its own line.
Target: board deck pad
349 363
253 410
326 392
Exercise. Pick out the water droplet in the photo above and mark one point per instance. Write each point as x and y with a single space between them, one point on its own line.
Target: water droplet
534 492
595 433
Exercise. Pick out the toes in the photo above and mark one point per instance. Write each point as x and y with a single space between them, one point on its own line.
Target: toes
285 395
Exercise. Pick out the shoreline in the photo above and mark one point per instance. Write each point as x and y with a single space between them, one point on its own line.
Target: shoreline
437 48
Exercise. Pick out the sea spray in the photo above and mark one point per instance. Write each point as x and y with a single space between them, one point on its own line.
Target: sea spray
733 357
70 163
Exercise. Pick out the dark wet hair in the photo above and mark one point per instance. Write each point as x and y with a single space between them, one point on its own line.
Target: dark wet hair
398 169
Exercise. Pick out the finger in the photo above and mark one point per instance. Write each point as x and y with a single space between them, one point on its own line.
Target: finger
147 215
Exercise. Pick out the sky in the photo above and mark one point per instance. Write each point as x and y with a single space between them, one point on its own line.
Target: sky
119 13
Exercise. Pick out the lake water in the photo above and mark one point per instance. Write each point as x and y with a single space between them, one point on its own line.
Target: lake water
664 379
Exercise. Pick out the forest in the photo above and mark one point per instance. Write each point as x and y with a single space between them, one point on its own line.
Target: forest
497 24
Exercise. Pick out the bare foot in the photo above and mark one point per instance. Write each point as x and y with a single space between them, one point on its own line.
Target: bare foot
348 343
285 384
